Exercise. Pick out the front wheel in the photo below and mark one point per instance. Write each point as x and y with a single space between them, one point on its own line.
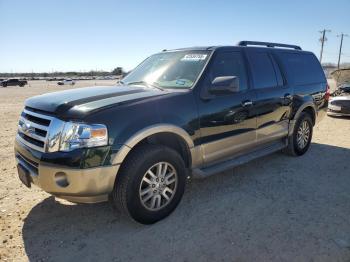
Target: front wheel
150 184
299 142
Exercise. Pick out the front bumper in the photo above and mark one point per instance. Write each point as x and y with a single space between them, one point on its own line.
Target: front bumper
76 184
337 113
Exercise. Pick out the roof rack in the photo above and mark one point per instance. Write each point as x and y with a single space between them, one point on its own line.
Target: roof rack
268 44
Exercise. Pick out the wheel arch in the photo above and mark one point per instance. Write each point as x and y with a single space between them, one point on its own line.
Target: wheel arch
164 134
309 108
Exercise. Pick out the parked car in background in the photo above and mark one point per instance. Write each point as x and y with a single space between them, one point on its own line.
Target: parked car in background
339 106
186 112
66 82
344 88
13 82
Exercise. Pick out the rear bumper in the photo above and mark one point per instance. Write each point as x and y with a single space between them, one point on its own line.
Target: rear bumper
80 185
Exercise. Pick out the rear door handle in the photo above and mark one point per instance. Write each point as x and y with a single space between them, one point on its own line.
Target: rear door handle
247 103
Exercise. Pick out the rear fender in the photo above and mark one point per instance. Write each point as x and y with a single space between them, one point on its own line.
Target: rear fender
298 111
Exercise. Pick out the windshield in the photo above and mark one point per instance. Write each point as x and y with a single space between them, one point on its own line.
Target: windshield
178 69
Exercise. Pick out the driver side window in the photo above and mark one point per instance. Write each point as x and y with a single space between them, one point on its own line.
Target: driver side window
228 64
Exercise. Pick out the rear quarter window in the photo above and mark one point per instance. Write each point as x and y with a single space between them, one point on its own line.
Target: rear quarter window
302 69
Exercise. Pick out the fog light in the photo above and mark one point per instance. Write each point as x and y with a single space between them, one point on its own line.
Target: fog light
61 179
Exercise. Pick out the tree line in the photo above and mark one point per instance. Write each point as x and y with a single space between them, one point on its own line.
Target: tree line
118 71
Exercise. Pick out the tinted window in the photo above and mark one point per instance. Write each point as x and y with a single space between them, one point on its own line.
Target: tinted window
229 64
301 68
263 71
278 72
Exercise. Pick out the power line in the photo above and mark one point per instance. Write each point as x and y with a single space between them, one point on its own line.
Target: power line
323 39
341 45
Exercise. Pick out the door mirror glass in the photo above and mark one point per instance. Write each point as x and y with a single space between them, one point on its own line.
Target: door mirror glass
224 85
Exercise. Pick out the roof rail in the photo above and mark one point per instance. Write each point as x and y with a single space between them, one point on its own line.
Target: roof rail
268 44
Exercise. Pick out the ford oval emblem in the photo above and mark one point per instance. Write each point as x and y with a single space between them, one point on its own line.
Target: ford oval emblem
27 128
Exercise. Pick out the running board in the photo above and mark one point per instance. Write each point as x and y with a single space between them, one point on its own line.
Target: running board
200 173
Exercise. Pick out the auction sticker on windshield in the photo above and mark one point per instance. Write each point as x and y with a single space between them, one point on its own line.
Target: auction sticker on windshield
194 57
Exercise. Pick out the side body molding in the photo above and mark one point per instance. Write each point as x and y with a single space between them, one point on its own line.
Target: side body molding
151 130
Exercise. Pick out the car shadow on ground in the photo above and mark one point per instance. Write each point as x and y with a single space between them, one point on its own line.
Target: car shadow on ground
340 117
277 207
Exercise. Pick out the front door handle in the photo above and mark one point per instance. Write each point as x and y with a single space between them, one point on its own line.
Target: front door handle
247 103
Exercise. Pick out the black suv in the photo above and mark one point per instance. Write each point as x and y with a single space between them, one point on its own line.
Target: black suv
13 82
180 113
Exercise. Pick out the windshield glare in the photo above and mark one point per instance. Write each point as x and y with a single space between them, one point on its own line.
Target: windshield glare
178 69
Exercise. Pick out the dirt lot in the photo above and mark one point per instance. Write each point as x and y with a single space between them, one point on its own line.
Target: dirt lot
276 208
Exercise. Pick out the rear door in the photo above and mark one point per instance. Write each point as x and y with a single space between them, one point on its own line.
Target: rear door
227 122
273 96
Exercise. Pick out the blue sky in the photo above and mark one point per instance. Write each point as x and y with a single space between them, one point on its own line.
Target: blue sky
43 35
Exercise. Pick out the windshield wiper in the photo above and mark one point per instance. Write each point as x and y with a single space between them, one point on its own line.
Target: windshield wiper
145 84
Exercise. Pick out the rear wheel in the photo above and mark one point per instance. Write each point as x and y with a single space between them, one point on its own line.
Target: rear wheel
300 140
150 184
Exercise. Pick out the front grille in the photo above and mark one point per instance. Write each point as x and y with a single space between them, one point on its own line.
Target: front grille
33 129
342 103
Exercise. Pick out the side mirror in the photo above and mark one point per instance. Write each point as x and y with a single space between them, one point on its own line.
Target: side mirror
224 85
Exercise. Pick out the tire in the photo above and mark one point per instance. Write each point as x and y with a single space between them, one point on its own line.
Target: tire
130 184
294 147
4 85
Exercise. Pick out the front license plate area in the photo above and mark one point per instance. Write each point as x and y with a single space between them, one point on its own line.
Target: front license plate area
23 175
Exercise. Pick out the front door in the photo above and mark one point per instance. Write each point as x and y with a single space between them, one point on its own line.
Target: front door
227 121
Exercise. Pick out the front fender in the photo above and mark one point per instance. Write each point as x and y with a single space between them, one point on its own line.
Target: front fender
146 132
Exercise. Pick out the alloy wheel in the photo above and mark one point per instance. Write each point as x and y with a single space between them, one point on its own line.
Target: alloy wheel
303 134
158 186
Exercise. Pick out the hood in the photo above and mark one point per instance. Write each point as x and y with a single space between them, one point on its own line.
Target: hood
81 101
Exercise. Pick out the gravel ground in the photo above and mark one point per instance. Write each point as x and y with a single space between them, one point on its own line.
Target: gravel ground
276 208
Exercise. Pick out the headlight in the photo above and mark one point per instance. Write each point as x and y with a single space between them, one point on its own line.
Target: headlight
77 135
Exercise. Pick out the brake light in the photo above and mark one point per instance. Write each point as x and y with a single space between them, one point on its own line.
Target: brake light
328 93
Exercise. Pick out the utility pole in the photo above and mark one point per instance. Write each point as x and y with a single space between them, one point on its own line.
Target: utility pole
341 45
323 39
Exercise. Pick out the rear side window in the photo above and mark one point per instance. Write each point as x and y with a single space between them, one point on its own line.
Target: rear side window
264 75
302 69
